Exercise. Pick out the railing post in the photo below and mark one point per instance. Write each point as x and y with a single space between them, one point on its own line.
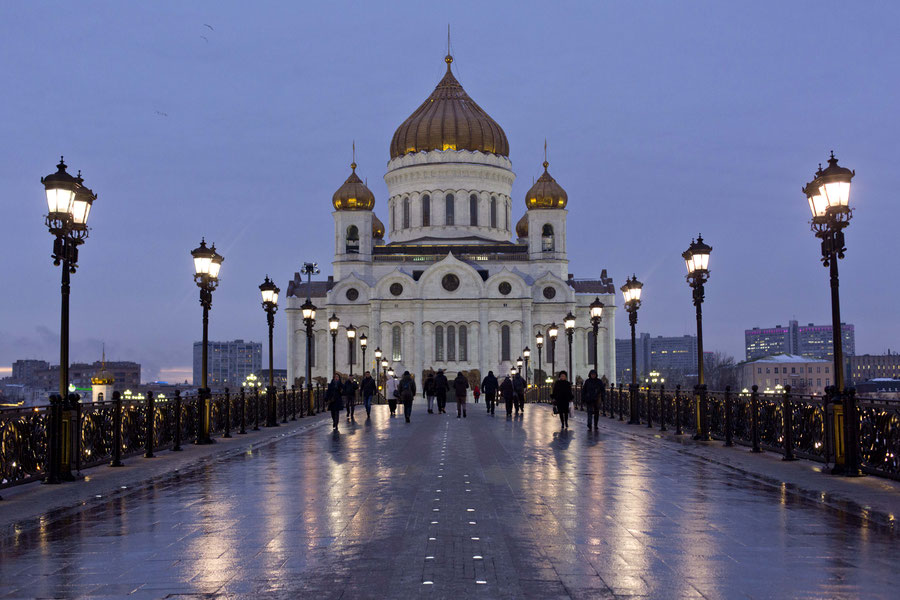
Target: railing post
662 407
729 426
243 412
678 429
787 424
621 399
117 431
256 408
148 426
754 418
293 403
227 414
78 441
284 404
177 446
649 406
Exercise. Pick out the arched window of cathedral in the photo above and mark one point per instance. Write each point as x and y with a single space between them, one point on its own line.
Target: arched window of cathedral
494 212
396 340
451 342
506 215
352 240
504 343
406 213
426 210
439 343
592 348
547 238
449 210
473 210
463 343
394 220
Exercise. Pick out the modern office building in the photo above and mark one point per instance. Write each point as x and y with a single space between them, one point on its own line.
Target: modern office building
814 341
229 362
872 366
804 375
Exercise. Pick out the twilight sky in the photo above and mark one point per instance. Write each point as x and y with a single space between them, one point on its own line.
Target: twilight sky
234 120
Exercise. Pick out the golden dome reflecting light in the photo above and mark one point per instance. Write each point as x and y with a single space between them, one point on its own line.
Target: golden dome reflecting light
546 193
353 194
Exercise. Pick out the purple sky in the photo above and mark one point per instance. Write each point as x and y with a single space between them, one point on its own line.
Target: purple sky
663 119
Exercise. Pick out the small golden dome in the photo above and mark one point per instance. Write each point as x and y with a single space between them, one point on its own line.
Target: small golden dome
377 228
546 193
449 120
103 377
353 194
522 226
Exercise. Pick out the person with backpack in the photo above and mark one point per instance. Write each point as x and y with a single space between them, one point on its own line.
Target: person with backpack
392 393
349 391
562 395
368 388
476 393
441 387
334 399
519 388
460 385
507 392
489 386
407 389
590 396
428 392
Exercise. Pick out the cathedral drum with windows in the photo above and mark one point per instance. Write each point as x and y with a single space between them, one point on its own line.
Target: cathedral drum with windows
451 290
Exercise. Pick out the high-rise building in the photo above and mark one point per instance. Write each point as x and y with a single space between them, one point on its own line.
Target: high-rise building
25 370
872 366
229 362
672 356
813 341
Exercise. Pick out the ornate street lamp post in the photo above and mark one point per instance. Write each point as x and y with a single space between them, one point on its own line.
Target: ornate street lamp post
829 201
519 362
207 263
269 292
632 294
527 354
378 355
308 310
384 371
333 324
696 259
363 342
69 206
351 341
596 317
569 323
552 333
539 342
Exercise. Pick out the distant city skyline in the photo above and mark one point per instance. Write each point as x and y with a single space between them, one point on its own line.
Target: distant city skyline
242 134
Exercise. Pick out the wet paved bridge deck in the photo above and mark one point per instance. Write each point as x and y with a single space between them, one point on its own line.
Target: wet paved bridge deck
483 507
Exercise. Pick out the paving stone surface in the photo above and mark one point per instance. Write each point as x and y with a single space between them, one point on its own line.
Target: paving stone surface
482 507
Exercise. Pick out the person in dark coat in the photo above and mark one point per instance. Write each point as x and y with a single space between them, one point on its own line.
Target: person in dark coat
428 392
562 396
519 388
334 399
407 389
441 387
368 388
507 392
590 397
490 385
460 385
349 391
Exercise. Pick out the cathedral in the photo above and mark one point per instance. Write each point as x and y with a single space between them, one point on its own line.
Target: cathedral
456 287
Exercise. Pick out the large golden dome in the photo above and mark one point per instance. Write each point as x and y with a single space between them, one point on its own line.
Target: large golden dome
546 193
353 194
449 120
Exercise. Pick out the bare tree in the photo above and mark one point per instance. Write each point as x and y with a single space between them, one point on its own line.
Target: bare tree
719 370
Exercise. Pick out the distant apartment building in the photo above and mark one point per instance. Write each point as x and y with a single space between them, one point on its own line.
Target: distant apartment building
805 375
229 362
127 375
670 355
872 366
813 341
25 370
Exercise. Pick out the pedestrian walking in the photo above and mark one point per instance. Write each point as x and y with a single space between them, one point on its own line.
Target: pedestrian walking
441 387
334 399
519 388
507 392
349 392
392 393
407 389
460 385
562 396
428 392
476 393
591 392
490 385
368 389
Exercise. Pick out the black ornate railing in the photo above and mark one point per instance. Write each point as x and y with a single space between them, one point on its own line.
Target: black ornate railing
99 427
795 425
